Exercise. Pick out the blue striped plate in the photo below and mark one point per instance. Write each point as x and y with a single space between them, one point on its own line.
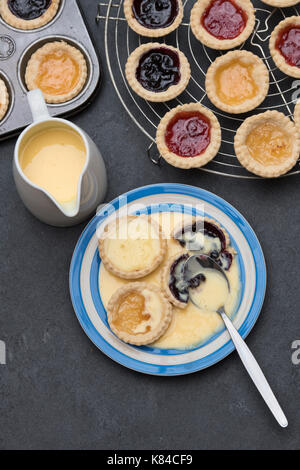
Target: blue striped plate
84 280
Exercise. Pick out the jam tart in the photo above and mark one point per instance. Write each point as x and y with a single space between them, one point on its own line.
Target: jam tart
222 24
237 82
153 18
4 99
188 136
297 116
138 313
267 144
132 247
280 3
202 235
285 46
157 72
58 69
28 14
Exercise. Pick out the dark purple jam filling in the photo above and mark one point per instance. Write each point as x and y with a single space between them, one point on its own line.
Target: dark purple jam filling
154 14
177 285
158 69
192 238
28 9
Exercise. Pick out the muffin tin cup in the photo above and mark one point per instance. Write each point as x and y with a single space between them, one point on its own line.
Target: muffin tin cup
16 48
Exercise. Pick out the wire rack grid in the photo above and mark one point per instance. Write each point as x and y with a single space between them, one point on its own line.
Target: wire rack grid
120 41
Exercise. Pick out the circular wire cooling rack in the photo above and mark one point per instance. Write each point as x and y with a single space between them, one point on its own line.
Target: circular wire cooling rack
120 41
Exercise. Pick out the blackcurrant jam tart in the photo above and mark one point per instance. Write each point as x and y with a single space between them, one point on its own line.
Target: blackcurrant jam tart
157 72
201 236
222 24
153 18
188 136
132 247
267 144
4 99
237 82
28 14
285 46
138 313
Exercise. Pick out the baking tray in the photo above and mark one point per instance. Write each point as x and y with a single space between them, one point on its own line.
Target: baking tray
17 46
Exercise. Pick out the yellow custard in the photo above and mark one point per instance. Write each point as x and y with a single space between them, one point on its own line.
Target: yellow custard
190 326
53 159
268 144
234 83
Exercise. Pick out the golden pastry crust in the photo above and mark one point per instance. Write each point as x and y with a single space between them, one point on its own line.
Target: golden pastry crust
20 23
201 220
198 160
4 99
278 58
259 74
142 338
165 281
151 33
211 41
173 91
134 273
280 3
297 116
34 62
242 152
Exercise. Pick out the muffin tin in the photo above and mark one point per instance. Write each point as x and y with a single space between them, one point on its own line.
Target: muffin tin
17 46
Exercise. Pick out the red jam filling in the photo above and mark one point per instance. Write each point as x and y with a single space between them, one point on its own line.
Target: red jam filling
188 134
288 43
223 19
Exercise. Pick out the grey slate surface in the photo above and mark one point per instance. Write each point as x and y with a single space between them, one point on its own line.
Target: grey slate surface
57 391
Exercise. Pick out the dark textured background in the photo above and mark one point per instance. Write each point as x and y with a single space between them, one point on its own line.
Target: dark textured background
58 391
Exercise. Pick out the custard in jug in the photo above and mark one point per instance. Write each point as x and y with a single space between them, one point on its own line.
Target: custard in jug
53 159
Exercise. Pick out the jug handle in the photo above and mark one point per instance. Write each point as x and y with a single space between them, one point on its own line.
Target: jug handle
37 105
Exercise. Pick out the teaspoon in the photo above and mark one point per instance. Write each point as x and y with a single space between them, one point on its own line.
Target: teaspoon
196 265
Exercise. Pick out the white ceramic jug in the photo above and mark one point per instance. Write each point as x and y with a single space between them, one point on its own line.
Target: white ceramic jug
92 183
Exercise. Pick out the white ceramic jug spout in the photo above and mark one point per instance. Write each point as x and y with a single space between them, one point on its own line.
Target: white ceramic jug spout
92 183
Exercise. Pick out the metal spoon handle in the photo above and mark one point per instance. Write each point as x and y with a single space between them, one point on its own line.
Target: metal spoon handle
255 372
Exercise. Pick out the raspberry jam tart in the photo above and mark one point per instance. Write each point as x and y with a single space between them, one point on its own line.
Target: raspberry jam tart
188 136
222 24
28 14
157 72
285 46
153 18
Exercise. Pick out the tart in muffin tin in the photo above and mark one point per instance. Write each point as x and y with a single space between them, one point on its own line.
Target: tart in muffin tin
22 42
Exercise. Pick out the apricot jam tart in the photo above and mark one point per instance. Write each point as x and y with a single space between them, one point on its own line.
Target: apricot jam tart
132 247
153 18
222 24
285 46
237 82
4 99
28 14
188 136
267 144
138 313
157 72
58 69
